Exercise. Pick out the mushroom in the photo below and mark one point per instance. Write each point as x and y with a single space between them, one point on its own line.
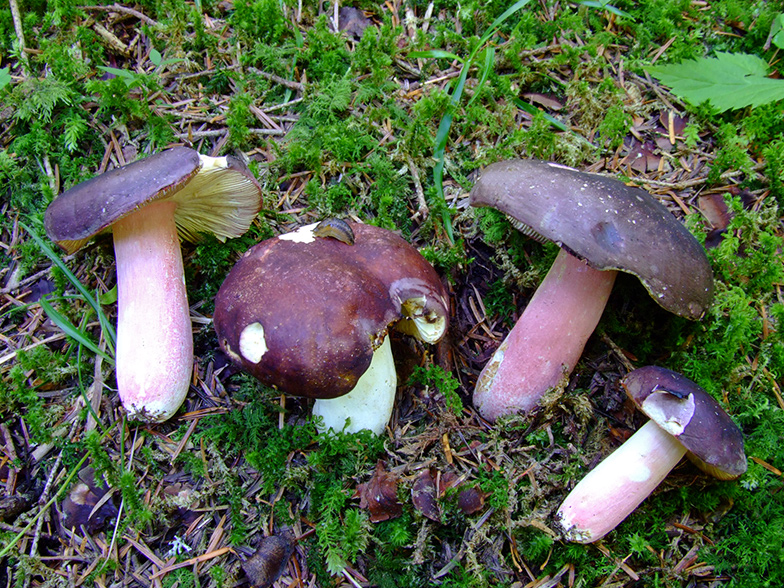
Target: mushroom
602 226
146 204
684 420
308 313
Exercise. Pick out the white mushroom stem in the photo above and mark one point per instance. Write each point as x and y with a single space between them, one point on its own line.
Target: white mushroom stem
154 338
612 490
548 339
369 404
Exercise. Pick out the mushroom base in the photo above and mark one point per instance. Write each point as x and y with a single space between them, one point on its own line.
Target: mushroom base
612 490
154 340
369 404
547 340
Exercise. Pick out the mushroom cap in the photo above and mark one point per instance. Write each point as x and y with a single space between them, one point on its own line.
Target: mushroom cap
610 225
214 195
692 416
304 313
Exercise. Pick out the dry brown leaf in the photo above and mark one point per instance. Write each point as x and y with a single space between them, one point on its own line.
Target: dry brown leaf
379 495
269 561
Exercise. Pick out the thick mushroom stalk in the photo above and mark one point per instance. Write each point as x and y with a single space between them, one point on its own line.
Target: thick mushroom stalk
548 339
685 420
147 204
369 404
615 488
154 339
612 227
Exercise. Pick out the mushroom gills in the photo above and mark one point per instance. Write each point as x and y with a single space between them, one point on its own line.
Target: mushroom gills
527 230
418 321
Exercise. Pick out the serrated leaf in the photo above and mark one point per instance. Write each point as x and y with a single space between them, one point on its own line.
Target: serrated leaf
728 81
777 31
5 77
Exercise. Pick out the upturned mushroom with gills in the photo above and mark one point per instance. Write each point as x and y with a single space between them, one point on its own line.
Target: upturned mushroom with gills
602 226
308 312
684 420
148 205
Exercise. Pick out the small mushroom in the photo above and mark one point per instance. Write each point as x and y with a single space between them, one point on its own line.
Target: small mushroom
684 420
308 312
602 226
146 204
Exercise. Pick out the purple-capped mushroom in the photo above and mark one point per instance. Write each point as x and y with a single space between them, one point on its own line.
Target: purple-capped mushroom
148 205
602 226
308 312
684 420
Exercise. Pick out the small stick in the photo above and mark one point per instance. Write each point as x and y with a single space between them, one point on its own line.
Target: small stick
131 11
17 18
422 211
10 483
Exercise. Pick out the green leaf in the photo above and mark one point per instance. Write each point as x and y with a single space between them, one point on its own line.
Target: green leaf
434 54
128 77
603 5
777 31
5 77
109 297
728 81
156 57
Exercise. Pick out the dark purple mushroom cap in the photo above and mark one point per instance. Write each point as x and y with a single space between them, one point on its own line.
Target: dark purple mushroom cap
692 416
610 225
213 195
304 313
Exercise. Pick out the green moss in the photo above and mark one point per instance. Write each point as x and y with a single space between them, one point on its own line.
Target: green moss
240 120
261 21
614 127
211 260
442 381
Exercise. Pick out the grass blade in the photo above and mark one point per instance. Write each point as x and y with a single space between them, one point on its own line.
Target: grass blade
604 6
533 110
106 326
71 331
434 54
484 73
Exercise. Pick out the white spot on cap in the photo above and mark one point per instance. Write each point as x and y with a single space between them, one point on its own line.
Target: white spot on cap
209 163
253 345
560 166
301 235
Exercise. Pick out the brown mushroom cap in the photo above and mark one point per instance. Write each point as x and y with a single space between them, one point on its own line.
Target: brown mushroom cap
607 223
211 198
692 416
305 313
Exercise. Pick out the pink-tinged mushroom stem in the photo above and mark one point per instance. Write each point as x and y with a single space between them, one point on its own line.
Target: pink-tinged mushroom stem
154 338
612 490
547 340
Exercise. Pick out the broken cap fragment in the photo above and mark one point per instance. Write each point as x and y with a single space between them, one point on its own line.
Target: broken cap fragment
602 226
